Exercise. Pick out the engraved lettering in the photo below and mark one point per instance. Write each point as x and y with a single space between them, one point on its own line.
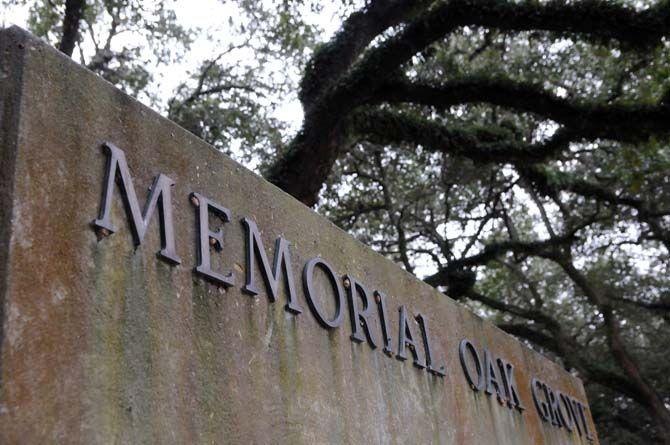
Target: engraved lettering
308 283
465 348
271 276
423 324
360 318
406 340
206 237
159 196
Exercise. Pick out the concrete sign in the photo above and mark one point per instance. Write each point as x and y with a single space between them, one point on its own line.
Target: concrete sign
154 291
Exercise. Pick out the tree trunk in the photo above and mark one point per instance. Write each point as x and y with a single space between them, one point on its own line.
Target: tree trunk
73 13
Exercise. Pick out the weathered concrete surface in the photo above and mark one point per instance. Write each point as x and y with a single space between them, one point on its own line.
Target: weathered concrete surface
104 343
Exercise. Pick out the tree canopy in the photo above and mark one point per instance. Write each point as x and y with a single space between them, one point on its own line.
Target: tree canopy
513 154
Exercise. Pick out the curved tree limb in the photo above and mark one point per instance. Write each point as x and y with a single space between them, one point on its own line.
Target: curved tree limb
542 248
480 144
317 145
621 122
332 60
646 211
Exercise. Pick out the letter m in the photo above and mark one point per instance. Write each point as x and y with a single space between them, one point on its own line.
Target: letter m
159 196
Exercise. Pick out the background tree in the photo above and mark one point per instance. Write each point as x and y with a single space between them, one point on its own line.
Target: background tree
514 154
229 98
518 152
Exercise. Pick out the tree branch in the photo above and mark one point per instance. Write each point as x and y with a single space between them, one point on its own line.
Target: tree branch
492 251
621 122
334 58
318 144
531 334
480 144
646 213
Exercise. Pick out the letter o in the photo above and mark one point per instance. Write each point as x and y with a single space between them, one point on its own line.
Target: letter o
308 283
463 347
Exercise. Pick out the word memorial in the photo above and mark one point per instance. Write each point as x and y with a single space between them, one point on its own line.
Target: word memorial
361 318
257 320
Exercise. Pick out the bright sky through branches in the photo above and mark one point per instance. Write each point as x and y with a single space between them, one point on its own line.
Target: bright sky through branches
211 20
